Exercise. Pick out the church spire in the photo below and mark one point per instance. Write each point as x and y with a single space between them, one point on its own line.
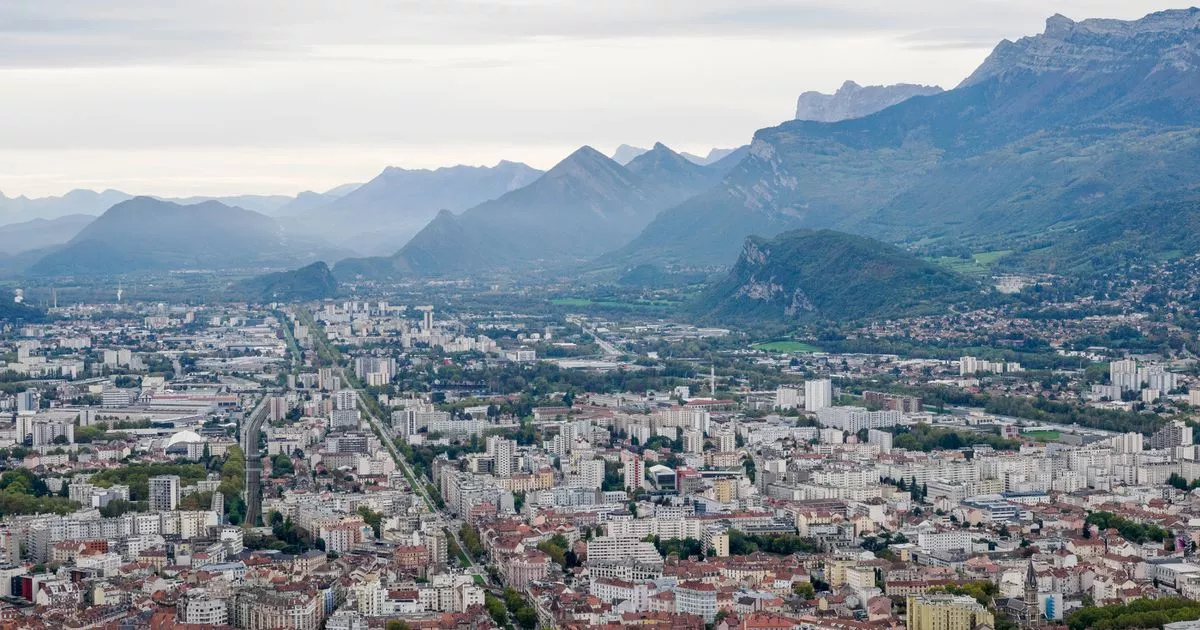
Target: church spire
1032 607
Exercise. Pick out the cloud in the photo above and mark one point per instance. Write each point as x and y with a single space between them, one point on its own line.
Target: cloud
86 33
963 45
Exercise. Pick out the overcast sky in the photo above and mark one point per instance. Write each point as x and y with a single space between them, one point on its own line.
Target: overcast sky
178 97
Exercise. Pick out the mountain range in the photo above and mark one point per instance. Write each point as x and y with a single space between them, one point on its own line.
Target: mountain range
89 202
381 215
1084 119
148 234
28 224
855 101
822 274
584 206
22 209
1085 132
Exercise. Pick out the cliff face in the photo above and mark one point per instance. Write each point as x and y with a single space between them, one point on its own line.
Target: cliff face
855 101
1161 41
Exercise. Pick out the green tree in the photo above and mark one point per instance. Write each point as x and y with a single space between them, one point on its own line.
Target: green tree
559 551
470 539
495 607
527 618
372 518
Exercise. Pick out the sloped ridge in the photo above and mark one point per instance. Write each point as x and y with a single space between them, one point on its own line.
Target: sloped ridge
384 213
585 205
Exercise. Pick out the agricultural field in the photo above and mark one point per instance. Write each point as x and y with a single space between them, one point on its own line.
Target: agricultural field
788 347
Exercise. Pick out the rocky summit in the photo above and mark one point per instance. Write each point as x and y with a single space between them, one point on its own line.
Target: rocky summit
855 101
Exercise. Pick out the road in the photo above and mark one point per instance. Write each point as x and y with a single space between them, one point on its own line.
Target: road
610 351
387 436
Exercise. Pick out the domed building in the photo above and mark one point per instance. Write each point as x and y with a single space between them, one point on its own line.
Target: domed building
187 444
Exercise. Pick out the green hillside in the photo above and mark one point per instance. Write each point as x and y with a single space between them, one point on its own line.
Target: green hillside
807 275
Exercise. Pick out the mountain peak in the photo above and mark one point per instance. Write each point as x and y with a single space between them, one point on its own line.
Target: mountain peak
585 159
1058 24
660 157
586 151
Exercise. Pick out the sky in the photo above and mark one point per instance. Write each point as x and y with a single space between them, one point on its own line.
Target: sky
222 97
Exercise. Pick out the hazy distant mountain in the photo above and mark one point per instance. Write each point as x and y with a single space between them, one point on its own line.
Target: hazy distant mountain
303 202
90 202
583 206
337 192
384 213
308 200
313 282
18 209
38 233
855 101
675 177
1085 119
262 204
625 154
717 155
150 234
805 275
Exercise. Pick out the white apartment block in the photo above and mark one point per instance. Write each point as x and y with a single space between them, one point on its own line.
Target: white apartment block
855 419
818 394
